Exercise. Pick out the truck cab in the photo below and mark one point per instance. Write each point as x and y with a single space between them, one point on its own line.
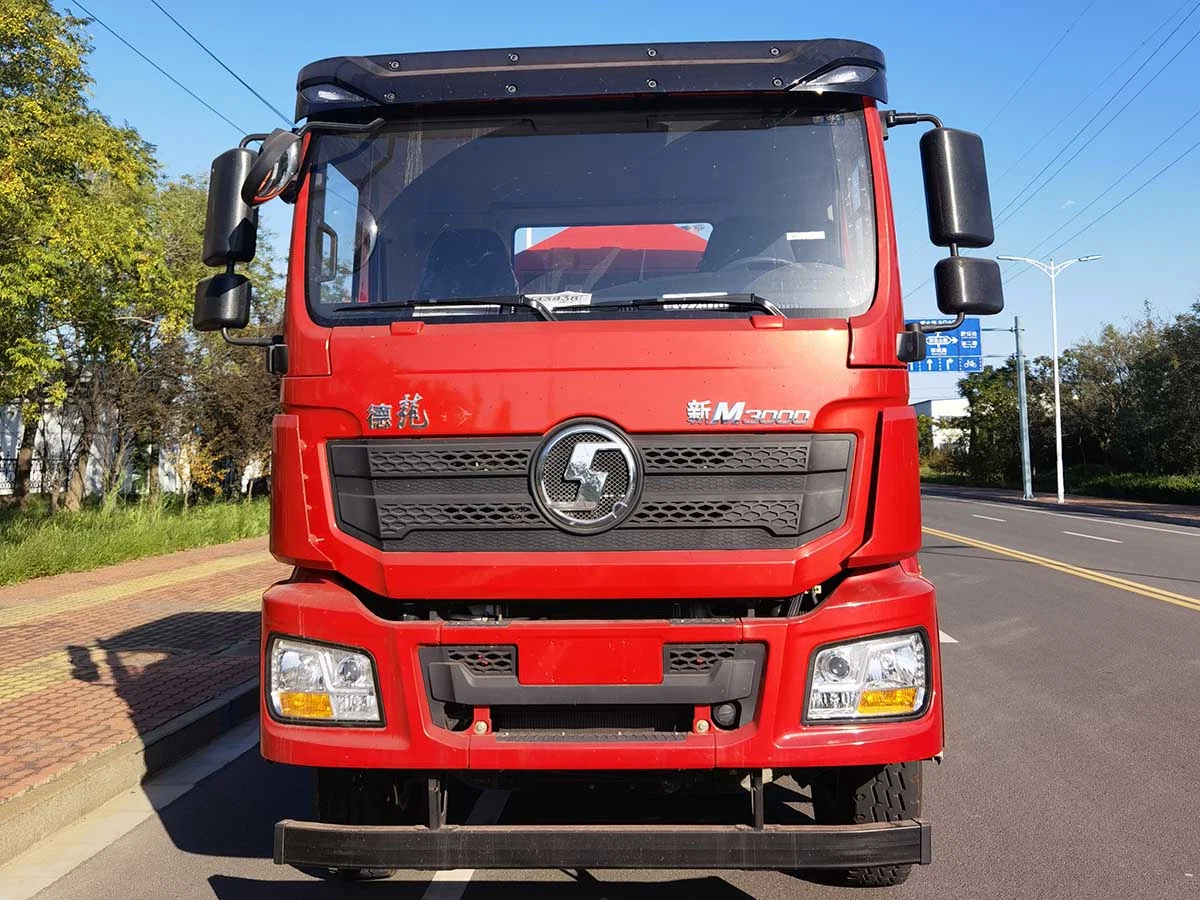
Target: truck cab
594 459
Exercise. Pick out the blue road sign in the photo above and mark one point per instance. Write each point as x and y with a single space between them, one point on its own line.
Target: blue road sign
960 350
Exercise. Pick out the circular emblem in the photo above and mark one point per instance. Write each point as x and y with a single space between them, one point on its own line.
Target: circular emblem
586 477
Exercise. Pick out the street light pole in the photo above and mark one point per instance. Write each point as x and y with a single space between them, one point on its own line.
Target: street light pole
1052 270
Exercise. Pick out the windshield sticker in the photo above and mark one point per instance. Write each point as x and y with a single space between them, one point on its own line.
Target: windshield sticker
723 412
562 298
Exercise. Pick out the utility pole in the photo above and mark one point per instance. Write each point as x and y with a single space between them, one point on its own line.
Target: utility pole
1023 415
1022 410
1052 270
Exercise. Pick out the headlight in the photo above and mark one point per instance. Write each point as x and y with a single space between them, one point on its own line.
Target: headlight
868 679
319 682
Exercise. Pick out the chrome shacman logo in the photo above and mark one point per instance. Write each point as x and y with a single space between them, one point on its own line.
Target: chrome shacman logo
725 412
586 477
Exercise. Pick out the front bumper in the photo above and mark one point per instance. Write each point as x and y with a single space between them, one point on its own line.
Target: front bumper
620 659
602 846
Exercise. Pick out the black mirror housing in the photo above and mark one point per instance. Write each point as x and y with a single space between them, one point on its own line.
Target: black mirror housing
222 301
231 224
968 285
956 189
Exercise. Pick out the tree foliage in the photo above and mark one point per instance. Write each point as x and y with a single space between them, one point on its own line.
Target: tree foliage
1130 403
99 258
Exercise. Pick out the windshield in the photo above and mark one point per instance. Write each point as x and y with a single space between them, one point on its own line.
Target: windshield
583 211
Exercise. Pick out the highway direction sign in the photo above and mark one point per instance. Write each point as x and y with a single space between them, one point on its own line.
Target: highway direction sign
959 350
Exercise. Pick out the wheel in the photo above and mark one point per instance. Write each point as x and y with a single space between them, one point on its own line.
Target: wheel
356 797
854 795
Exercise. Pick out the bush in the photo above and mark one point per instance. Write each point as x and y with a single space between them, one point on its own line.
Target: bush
1136 486
1091 481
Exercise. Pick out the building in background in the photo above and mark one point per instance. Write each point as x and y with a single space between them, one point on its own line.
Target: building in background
946 416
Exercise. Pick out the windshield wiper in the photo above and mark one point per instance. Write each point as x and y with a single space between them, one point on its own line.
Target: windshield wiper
732 301
513 301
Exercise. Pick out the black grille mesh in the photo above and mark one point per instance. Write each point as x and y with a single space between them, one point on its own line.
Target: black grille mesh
757 458
407 460
397 519
485 660
700 658
781 517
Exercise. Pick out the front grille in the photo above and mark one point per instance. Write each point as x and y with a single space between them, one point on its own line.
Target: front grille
699 492
681 658
590 722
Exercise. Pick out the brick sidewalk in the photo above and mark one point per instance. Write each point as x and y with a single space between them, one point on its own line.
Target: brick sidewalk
93 659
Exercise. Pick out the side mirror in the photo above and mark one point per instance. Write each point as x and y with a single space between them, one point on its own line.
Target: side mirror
230 225
222 301
968 285
275 167
956 189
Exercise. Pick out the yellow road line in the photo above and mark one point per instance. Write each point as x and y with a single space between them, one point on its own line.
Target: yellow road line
1134 587
45 608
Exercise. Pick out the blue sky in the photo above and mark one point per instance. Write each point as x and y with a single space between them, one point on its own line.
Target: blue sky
962 61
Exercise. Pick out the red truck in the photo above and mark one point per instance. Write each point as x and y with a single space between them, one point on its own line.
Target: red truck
594 461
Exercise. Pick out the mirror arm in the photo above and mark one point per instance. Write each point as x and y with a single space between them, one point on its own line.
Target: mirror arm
891 118
252 139
934 329
248 342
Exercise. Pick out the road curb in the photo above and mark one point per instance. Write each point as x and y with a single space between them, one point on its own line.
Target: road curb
1071 506
46 808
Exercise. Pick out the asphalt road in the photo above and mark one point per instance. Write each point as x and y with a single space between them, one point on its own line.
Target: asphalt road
1073 745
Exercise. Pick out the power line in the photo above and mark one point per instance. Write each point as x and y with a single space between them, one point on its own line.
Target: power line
1188 120
1112 97
221 63
175 81
1145 184
1036 68
1095 89
1102 128
1086 97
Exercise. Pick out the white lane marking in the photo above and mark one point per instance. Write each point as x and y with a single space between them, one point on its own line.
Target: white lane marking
1046 512
945 638
451 884
989 518
1092 537
52 858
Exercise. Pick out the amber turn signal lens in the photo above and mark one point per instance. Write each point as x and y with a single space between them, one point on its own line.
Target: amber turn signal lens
305 706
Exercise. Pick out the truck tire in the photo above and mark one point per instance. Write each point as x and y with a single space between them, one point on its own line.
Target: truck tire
356 797
857 794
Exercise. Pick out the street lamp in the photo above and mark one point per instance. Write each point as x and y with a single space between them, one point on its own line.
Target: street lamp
1052 270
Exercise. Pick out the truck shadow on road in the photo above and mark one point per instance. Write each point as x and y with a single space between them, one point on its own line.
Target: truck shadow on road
583 888
170 666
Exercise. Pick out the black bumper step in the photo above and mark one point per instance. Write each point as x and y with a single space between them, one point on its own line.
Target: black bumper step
703 847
